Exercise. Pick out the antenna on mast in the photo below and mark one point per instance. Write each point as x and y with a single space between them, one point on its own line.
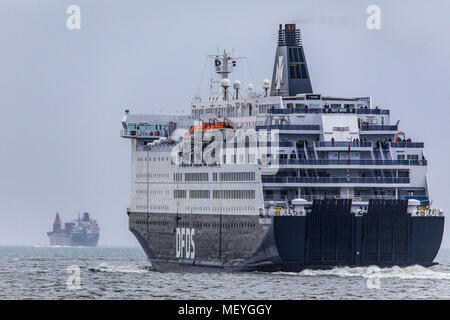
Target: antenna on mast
223 65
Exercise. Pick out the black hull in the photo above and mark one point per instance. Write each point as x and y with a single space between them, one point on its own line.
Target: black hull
327 237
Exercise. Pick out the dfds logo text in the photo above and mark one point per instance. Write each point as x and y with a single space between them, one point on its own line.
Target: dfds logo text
185 245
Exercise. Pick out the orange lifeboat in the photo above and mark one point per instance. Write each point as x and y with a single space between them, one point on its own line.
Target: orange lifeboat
211 125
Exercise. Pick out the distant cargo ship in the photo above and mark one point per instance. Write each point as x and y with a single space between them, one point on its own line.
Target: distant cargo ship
81 232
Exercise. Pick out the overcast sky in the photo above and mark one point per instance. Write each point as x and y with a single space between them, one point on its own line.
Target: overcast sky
63 92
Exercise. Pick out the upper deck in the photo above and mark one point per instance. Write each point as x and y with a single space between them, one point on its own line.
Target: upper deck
324 146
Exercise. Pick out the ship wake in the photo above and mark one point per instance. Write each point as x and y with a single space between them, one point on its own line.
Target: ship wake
105 267
411 272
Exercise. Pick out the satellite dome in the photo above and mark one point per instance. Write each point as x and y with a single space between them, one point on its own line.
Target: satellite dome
266 84
225 83
237 84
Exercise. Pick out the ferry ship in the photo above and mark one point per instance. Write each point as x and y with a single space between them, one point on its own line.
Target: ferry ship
278 180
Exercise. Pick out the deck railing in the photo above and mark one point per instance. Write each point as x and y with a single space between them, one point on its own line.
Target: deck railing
142 133
331 196
378 127
379 180
290 127
321 110
354 144
407 144
322 162
252 144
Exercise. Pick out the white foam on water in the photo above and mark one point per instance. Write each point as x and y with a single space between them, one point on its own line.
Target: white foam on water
105 267
411 272
59 246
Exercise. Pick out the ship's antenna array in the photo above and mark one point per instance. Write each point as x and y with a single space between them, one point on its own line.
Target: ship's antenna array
222 66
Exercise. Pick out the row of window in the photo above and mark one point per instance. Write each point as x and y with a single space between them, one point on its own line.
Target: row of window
242 159
217 194
237 176
154 159
153 192
407 157
223 176
217 225
242 209
200 224
199 194
152 175
179 194
139 207
196 176
233 194
159 223
239 209
264 107
133 126
230 111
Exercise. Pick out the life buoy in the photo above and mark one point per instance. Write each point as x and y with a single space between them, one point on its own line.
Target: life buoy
151 133
422 213
157 133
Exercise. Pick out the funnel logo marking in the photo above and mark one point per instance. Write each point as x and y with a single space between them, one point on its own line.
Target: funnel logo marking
279 73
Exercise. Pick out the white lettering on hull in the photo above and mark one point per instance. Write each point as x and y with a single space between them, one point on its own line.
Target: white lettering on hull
184 243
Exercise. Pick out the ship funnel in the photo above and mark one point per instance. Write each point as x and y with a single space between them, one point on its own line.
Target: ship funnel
290 72
57 223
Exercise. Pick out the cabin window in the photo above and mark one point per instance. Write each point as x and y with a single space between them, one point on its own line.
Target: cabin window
131 126
335 106
263 108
